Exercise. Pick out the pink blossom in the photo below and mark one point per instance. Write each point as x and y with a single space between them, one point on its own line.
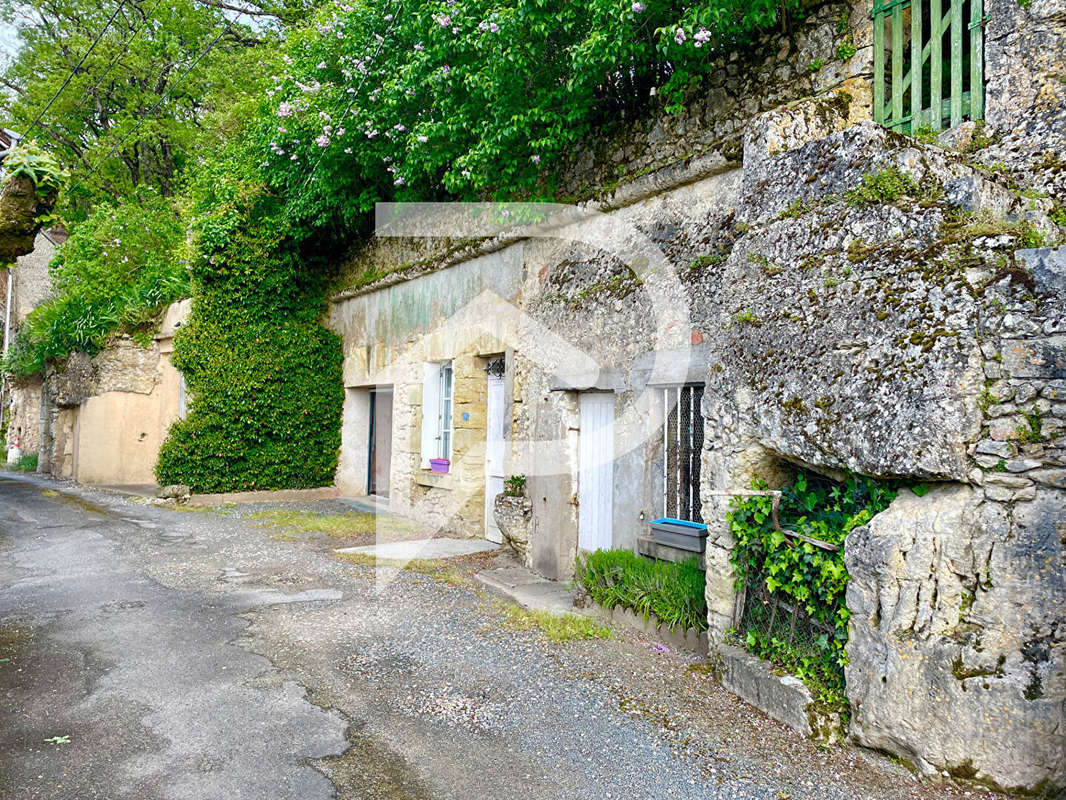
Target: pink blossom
680 36
702 35
398 182
423 139
638 7
285 109
322 140
444 21
321 65
535 159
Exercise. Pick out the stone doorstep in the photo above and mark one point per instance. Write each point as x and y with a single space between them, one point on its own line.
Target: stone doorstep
276 496
521 586
782 697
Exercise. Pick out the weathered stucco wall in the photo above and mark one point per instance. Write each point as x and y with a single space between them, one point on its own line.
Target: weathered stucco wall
107 416
463 315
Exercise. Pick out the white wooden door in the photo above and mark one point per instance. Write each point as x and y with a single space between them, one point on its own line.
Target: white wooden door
494 454
595 488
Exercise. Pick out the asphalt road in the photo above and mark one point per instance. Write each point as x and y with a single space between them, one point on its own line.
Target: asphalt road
151 653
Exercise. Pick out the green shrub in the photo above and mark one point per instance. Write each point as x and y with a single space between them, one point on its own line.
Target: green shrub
885 186
115 273
27 463
673 592
801 574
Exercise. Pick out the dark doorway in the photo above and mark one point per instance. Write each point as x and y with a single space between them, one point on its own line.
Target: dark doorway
380 442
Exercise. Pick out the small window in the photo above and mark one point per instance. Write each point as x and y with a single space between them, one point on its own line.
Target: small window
444 424
928 63
682 447
437 399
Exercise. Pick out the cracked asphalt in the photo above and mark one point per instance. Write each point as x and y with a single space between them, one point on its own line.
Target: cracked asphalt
147 652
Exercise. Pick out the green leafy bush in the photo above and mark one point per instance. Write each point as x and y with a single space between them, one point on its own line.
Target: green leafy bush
263 374
116 272
673 592
28 160
885 186
439 100
800 573
27 462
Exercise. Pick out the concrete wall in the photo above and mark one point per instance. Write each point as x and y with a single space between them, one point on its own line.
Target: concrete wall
105 417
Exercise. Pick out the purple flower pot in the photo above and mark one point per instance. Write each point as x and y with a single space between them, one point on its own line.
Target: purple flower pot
439 464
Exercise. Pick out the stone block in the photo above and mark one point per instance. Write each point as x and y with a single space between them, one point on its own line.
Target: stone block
1047 265
992 447
783 697
1055 478
1035 358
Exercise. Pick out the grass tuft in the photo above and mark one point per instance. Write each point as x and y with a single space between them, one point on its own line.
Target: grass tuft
336 526
556 627
673 592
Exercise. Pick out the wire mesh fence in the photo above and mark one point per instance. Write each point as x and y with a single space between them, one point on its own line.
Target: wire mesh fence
773 619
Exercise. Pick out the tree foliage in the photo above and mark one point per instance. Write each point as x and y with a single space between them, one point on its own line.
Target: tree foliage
444 99
130 94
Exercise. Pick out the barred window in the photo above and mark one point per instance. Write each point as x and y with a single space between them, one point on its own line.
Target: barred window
682 445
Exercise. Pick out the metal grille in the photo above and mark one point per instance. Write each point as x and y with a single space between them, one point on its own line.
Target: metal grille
682 446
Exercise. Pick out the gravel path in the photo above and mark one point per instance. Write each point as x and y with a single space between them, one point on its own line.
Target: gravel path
437 694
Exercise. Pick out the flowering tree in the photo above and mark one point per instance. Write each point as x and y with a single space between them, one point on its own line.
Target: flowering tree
475 98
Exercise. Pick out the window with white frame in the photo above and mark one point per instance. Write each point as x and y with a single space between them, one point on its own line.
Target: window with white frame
437 399
682 446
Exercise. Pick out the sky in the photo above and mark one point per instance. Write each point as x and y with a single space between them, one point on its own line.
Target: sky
8 41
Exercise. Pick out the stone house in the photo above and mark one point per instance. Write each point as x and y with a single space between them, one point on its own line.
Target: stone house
102 420
25 285
740 303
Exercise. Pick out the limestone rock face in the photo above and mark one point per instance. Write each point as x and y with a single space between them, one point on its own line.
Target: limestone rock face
513 516
20 208
958 639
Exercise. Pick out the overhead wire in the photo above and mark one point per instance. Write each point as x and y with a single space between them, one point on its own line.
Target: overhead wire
74 71
147 115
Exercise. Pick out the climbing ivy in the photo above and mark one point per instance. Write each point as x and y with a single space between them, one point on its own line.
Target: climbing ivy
263 374
801 573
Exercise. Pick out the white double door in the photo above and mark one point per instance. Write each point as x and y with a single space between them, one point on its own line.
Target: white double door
595 488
